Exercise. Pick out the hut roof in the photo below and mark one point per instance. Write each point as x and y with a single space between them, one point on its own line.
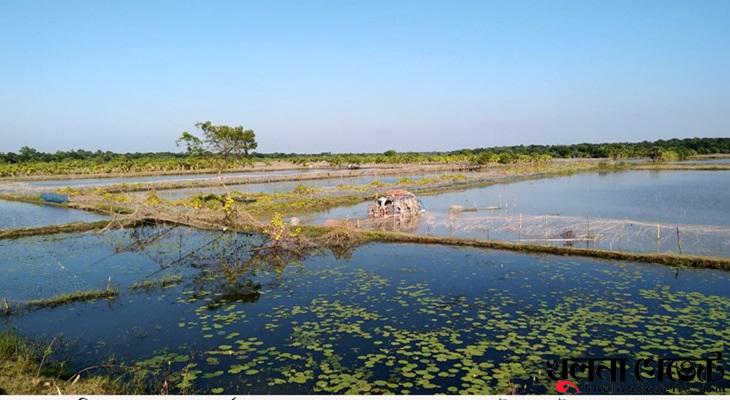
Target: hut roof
395 193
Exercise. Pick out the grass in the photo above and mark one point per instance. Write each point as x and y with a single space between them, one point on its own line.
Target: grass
52 229
81 295
25 369
27 198
164 282
268 204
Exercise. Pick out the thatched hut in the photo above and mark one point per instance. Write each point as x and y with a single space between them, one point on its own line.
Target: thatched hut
394 202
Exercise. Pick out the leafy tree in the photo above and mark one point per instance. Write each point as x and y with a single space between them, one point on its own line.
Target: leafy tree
28 153
668 155
193 144
223 140
228 140
655 153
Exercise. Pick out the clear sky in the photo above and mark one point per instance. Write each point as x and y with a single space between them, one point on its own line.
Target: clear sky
311 76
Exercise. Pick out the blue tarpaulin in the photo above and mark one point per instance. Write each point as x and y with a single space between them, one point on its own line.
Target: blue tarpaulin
54 197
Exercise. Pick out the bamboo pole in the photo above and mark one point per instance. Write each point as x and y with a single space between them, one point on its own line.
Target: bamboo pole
679 243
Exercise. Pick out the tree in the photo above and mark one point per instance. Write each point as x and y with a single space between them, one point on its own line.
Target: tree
28 153
668 155
224 140
655 153
193 145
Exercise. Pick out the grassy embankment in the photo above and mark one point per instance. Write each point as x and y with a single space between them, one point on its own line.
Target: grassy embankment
25 369
14 233
73 297
108 293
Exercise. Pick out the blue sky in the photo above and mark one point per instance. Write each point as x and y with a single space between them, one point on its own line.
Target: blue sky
312 76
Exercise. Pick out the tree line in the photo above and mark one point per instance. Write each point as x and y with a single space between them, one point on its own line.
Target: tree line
237 143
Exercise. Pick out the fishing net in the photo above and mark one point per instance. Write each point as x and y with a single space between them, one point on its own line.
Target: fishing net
37 269
44 267
612 234
561 230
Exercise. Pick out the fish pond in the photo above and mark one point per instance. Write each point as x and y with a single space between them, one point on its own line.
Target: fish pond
616 210
380 318
15 214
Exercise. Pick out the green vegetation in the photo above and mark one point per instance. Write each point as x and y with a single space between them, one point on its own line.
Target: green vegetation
26 369
431 180
52 229
226 141
164 282
268 204
81 295
658 154
233 147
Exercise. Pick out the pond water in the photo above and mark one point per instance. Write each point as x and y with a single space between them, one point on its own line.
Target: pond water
14 214
162 178
622 207
385 318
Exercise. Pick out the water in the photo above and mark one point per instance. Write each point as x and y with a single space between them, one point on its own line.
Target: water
680 197
624 206
387 319
89 182
17 215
